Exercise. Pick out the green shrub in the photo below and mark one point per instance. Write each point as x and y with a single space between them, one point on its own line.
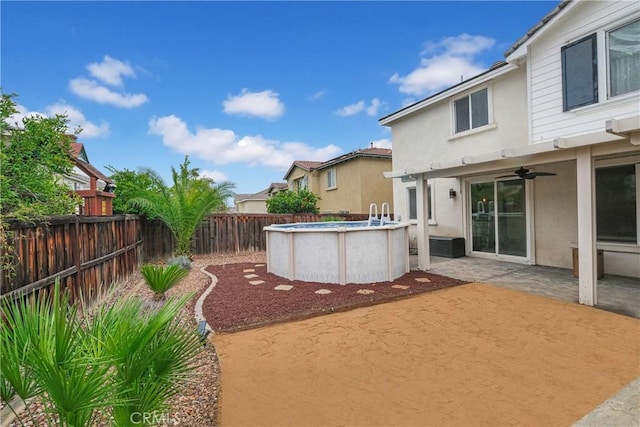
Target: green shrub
182 261
332 218
86 369
160 279
301 201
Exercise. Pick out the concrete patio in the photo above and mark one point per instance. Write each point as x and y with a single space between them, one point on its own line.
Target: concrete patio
615 293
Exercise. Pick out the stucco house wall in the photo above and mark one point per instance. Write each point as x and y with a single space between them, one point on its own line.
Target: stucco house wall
427 136
360 182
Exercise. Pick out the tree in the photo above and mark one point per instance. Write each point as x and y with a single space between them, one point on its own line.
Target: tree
129 185
33 158
184 205
301 201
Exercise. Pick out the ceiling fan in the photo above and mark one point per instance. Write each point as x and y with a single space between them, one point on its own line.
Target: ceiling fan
525 174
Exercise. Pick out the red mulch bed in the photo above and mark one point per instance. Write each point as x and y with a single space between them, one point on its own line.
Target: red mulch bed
235 304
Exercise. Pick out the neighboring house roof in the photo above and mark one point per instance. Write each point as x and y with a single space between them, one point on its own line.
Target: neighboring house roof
80 156
536 28
260 195
277 186
240 197
302 164
373 152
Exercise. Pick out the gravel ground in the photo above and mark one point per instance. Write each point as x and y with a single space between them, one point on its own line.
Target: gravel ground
197 405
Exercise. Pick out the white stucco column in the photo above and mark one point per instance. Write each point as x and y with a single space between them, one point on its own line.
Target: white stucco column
424 261
587 265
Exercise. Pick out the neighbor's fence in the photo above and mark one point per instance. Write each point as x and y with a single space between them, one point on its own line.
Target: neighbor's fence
82 251
226 233
87 251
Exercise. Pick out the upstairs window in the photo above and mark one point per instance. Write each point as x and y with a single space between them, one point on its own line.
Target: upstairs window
301 183
579 73
472 111
624 59
331 179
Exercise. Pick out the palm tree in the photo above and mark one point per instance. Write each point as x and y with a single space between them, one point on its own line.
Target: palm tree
184 205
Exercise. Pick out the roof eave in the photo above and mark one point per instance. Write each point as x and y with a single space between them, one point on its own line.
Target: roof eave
446 93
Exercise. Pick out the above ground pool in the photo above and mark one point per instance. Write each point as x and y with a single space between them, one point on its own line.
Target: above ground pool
338 252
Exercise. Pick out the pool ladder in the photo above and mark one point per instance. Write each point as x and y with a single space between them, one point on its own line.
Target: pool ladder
373 215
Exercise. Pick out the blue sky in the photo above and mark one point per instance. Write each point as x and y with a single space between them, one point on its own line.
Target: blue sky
243 88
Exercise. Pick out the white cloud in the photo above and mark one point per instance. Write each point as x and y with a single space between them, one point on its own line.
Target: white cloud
222 146
16 118
77 119
90 89
372 109
111 71
216 176
452 59
265 104
382 143
350 110
353 109
319 94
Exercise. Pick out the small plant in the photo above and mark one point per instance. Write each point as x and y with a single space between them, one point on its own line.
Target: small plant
182 261
160 279
332 218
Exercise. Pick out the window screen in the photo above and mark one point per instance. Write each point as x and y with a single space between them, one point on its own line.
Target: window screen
462 114
579 73
479 109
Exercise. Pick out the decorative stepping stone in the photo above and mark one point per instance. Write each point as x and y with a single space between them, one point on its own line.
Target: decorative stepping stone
250 276
256 282
259 265
248 270
423 280
365 291
283 287
322 291
400 286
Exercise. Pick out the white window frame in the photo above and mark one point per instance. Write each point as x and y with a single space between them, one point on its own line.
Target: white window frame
332 184
454 116
430 206
606 32
602 42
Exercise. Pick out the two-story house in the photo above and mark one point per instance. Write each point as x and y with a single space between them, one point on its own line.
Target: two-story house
565 107
349 183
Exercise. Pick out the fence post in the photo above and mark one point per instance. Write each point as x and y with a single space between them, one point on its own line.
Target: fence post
76 256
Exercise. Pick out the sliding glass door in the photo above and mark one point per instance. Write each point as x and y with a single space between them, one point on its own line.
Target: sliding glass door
498 217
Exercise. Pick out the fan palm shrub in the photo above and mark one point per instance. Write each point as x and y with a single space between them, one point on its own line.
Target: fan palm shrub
120 360
44 355
151 352
160 279
185 204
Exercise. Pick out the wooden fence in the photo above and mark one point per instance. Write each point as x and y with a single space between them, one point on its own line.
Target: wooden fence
85 252
225 233
82 251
